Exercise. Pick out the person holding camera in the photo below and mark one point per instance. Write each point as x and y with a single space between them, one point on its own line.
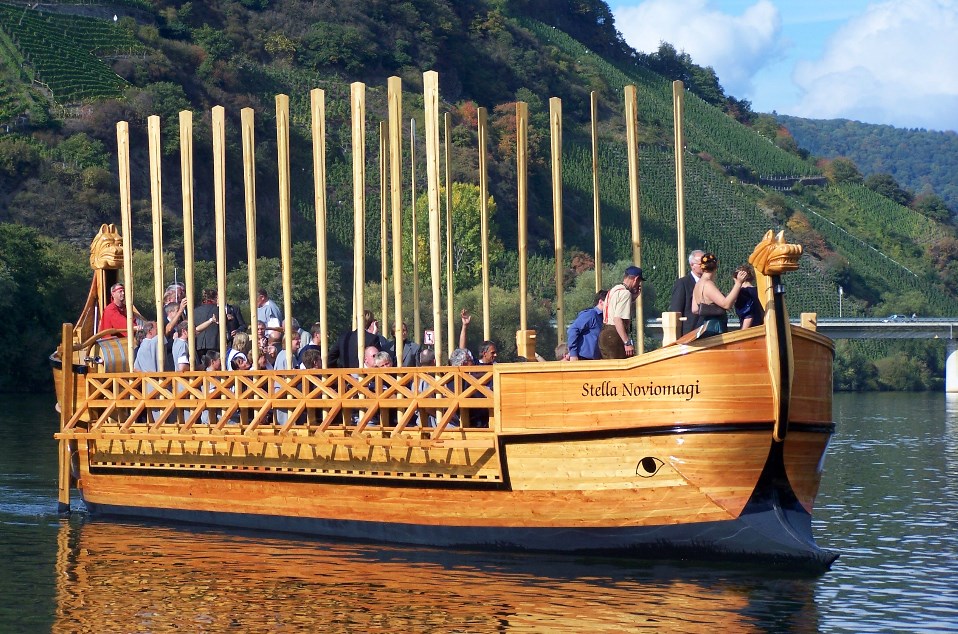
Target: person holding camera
615 342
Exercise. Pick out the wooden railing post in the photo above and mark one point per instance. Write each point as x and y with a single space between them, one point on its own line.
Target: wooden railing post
671 327
66 413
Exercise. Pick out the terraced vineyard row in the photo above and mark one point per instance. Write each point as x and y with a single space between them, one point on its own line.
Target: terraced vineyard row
144 5
11 101
63 49
866 208
707 129
719 218
11 105
878 269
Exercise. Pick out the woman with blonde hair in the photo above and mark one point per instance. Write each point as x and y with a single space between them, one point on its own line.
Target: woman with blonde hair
242 344
708 302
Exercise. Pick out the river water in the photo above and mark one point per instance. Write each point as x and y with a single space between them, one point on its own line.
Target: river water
889 504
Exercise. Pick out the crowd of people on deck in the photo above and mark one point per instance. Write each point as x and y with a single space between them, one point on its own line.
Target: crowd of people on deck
600 331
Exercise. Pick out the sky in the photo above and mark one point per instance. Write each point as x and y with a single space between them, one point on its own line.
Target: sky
889 62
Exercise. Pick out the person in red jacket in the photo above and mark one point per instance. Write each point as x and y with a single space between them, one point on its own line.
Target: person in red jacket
114 315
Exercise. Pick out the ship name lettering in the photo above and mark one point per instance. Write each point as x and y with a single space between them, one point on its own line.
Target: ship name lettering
599 389
606 388
687 390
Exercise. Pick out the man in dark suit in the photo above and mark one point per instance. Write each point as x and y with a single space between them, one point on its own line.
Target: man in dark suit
345 354
682 291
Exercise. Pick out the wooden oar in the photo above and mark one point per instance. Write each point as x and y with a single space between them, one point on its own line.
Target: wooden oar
555 127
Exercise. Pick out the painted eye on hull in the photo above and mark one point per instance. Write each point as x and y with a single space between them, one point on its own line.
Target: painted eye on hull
648 467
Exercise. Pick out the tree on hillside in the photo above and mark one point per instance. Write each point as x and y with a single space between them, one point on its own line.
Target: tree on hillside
767 126
589 21
775 205
887 186
740 109
164 99
344 46
466 239
42 284
80 151
18 157
943 254
842 170
679 66
933 207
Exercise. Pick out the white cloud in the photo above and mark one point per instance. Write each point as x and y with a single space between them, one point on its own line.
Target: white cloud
893 64
735 46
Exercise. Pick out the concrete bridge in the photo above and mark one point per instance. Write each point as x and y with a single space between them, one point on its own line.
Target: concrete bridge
901 328
895 327
888 328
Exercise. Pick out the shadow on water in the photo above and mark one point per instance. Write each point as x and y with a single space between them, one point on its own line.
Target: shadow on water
144 576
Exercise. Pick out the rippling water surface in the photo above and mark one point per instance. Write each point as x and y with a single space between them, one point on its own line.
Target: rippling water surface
889 504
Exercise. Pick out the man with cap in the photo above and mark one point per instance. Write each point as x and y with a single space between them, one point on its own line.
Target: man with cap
615 342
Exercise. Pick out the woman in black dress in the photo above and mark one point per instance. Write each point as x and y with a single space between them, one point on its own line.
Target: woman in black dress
747 306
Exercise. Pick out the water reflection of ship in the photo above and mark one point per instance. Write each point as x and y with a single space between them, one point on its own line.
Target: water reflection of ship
133 577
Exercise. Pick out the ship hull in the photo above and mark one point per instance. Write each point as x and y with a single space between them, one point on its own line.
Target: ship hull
776 536
579 458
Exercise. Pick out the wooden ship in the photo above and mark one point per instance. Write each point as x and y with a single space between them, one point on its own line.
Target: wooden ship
708 447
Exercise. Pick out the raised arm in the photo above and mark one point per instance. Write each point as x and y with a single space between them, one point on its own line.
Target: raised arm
714 295
175 319
206 324
466 318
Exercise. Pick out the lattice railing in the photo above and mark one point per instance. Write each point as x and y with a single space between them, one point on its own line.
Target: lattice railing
427 401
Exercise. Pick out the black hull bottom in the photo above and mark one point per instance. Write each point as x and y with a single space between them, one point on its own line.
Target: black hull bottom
775 535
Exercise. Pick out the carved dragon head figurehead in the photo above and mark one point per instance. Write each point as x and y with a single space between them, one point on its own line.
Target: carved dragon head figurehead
773 256
106 250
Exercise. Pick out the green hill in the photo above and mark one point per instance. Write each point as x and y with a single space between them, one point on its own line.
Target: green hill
920 160
61 52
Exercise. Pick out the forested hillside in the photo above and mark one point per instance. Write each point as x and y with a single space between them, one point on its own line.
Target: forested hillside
71 71
923 161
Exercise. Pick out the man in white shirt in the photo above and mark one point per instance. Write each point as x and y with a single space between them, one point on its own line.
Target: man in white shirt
266 308
615 342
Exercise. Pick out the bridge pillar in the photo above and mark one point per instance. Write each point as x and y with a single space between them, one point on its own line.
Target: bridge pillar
951 366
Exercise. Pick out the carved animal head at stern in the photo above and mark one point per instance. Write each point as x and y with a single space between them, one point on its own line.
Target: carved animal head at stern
106 250
774 256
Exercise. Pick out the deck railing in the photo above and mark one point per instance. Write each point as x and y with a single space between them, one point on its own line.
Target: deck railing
350 406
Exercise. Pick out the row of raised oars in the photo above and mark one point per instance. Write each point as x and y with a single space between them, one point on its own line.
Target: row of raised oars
390 167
